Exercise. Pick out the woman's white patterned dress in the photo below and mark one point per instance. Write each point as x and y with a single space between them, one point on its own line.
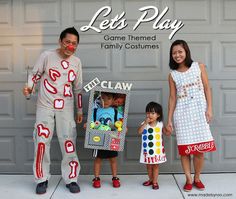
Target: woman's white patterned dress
192 130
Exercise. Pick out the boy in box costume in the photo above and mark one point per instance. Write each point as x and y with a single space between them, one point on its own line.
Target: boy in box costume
60 75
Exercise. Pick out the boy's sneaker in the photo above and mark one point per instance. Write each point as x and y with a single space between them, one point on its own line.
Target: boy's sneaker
116 182
96 182
73 187
42 187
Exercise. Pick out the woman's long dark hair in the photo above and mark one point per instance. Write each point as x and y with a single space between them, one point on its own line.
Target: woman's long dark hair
188 60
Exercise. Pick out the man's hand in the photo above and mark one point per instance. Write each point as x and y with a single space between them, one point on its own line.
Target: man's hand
27 90
79 118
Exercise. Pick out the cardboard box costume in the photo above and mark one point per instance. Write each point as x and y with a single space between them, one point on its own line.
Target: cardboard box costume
60 82
102 131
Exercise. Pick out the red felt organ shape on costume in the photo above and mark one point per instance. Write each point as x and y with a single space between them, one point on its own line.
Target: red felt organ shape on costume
58 103
54 74
69 146
39 159
67 90
65 64
43 131
73 167
71 76
79 101
49 87
36 77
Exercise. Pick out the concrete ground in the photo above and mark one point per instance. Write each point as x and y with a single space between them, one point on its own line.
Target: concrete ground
221 186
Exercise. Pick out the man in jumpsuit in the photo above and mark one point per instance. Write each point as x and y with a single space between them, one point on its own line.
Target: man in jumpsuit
60 75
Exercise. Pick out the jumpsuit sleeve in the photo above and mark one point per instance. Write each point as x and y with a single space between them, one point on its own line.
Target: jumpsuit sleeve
119 116
77 89
38 70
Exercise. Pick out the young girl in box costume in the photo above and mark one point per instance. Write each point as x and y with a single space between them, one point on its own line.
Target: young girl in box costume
152 152
190 105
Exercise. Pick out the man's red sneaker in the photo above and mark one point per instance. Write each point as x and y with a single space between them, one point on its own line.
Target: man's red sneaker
199 185
188 187
96 182
147 183
116 182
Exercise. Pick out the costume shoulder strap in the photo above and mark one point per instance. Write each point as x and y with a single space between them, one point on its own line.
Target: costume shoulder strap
115 116
95 114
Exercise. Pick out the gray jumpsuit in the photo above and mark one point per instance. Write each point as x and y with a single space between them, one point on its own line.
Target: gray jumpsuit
60 83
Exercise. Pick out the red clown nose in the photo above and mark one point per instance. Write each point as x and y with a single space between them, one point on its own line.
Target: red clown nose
70 48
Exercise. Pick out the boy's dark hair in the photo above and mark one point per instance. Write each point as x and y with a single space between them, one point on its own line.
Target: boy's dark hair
119 95
155 107
108 94
70 30
188 60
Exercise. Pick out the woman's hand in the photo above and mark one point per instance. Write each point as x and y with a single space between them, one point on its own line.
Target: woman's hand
169 127
209 115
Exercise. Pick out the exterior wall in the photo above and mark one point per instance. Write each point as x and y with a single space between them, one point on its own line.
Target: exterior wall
28 27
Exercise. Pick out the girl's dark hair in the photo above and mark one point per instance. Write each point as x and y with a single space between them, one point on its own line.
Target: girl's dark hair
70 30
188 60
155 107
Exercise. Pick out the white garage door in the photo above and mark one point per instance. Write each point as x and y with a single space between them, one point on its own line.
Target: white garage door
28 27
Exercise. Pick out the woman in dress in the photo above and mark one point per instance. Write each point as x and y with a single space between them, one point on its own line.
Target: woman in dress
190 106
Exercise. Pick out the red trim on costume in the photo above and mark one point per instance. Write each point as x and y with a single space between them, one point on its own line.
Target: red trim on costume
73 167
67 90
197 148
49 87
69 146
65 64
43 131
58 103
79 101
39 159
54 74
71 76
155 159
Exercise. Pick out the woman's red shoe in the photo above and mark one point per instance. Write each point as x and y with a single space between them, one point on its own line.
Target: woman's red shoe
188 187
199 185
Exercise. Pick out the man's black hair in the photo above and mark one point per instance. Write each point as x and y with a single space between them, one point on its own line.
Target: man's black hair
70 30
